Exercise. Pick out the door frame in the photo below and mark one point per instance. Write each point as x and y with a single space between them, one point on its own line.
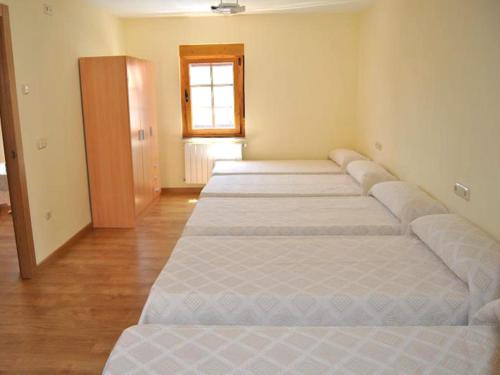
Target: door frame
14 160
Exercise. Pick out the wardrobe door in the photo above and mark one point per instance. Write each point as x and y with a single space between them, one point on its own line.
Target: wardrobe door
153 180
107 140
137 133
155 134
148 189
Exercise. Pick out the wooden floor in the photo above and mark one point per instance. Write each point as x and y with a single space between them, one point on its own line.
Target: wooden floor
68 317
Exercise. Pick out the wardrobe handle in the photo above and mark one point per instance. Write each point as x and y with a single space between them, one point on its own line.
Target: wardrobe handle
141 134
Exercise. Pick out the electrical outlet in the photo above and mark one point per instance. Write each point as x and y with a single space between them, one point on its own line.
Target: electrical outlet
48 215
378 146
462 191
48 10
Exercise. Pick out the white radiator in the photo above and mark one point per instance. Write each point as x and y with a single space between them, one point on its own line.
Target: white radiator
199 159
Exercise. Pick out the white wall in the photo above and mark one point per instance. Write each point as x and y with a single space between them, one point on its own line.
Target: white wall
46 51
301 72
429 90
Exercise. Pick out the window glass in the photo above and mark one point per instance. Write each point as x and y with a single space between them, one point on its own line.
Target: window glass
201 97
212 95
224 118
202 118
223 74
199 74
224 96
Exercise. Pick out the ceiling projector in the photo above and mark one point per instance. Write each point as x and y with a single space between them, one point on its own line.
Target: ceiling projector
228 8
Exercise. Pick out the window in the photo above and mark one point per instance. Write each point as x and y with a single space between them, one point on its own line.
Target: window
212 90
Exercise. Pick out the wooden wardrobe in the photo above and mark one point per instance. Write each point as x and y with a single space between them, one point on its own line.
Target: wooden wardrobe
119 113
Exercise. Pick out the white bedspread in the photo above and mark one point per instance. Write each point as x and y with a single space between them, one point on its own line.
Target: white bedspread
223 167
3 178
306 281
165 350
291 216
4 186
281 186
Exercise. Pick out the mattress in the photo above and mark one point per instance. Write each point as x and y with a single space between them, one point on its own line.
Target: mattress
306 281
224 167
291 216
281 186
3 178
159 349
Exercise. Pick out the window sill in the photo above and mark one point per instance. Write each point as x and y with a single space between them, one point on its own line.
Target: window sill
209 140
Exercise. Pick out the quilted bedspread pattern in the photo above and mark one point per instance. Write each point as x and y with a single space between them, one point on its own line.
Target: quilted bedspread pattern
281 186
165 350
291 217
276 167
306 281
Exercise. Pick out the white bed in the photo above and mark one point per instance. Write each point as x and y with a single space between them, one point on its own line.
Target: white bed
3 177
281 186
291 217
336 164
391 208
361 176
306 281
155 349
4 186
447 272
229 167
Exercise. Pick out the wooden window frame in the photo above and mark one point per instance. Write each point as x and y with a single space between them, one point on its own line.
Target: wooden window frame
213 53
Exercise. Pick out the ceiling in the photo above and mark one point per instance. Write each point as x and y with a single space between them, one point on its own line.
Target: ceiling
141 8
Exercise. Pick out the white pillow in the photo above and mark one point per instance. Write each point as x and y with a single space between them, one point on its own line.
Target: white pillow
368 173
468 251
343 157
406 201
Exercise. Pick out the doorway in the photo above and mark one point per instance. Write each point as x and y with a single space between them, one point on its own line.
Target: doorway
13 151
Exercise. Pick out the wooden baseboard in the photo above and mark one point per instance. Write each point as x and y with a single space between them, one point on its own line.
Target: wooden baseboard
181 190
63 249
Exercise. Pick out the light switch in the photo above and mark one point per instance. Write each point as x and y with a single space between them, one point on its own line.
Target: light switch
26 89
462 191
41 143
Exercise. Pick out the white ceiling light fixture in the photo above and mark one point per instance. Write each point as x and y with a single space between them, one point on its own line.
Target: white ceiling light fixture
228 8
